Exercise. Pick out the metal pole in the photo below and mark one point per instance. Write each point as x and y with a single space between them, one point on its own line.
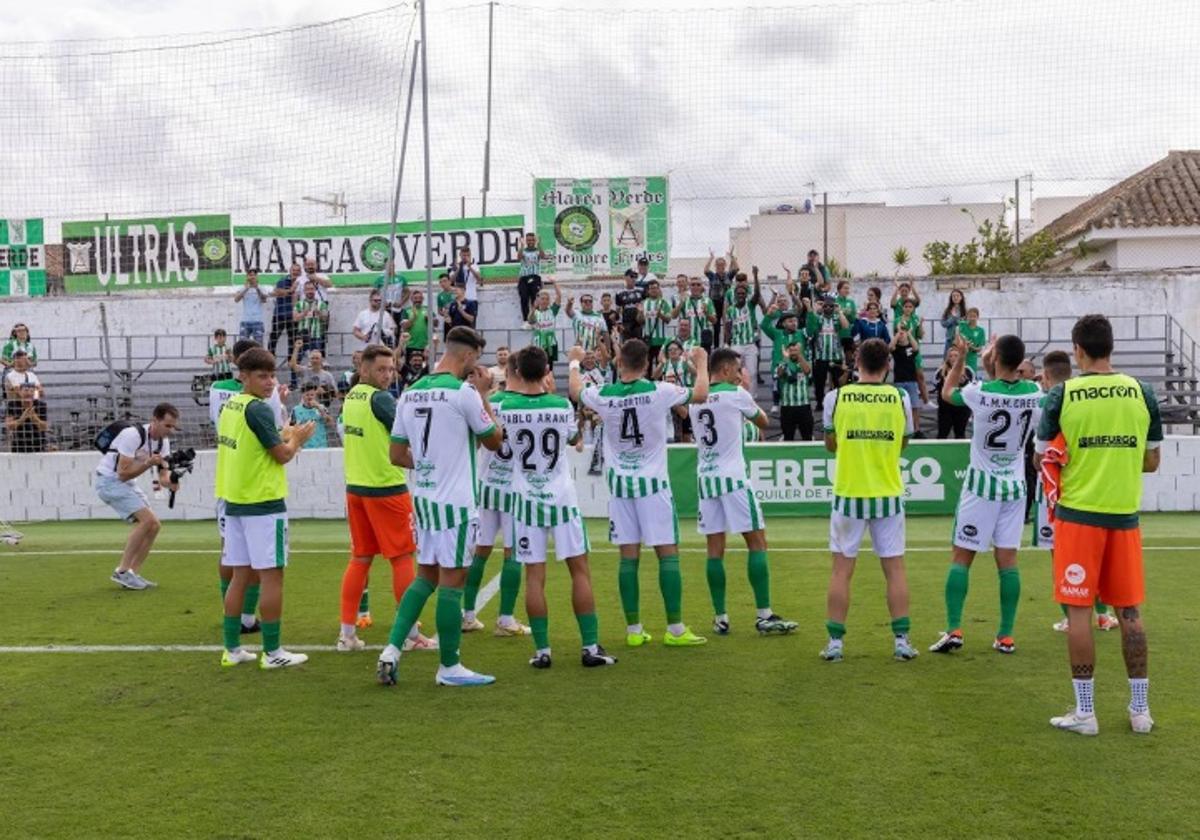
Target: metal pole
462 207
429 298
412 80
112 386
825 228
1017 207
487 143
281 214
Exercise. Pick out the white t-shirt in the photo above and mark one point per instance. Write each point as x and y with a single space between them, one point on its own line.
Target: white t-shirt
224 390
14 379
717 425
129 443
375 325
439 416
635 417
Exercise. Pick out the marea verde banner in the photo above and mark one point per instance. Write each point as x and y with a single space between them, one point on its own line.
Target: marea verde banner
797 479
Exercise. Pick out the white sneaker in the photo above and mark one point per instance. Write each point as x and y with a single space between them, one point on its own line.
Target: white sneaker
1107 622
146 584
1141 722
346 644
127 580
461 676
832 651
1072 721
229 658
419 642
281 659
516 628
470 623
386 668
1062 626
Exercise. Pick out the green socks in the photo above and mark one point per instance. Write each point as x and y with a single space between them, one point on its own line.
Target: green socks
270 636
1010 596
957 580
670 581
231 632
835 629
409 611
250 599
364 603
900 626
510 585
540 627
225 588
760 579
627 581
449 623
474 578
589 629
714 570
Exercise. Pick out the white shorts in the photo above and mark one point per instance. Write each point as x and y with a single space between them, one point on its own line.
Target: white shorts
846 533
532 541
648 520
450 548
1043 528
730 513
493 523
749 354
980 524
260 541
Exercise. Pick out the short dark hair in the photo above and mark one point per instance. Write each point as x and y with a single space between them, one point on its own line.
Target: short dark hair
374 351
532 363
163 409
250 271
242 345
19 354
814 253
256 359
1010 351
643 261
310 386
723 357
466 337
1058 364
873 356
634 355
219 331
511 365
1093 334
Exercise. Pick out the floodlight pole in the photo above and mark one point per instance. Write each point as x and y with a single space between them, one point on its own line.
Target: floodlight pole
412 80
487 143
429 299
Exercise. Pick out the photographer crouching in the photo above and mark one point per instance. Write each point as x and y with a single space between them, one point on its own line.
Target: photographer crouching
130 449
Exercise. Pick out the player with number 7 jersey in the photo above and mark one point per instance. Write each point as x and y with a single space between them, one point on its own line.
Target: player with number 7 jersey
1005 411
641 509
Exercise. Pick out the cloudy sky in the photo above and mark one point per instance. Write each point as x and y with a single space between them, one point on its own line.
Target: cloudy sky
133 107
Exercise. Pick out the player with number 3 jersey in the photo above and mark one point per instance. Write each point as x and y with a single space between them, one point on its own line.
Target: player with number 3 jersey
991 509
641 510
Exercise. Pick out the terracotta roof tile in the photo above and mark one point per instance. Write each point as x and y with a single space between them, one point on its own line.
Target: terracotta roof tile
1165 194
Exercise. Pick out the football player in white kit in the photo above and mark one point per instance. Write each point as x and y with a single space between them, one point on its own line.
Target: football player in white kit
727 503
991 510
641 511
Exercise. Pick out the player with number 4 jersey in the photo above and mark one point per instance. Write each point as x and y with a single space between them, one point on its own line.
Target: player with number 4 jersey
727 502
991 510
641 510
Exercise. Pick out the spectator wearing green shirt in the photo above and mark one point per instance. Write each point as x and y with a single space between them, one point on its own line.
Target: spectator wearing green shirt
542 321
783 328
220 357
850 310
825 325
741 320
659 313
589 325
910 322
698 309
445 297
796 411
902 291
18 339
414 320
312 318
975 337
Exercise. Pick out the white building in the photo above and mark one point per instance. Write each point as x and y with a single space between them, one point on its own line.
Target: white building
1150 220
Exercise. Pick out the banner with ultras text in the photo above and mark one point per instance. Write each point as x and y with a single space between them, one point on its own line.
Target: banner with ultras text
797 479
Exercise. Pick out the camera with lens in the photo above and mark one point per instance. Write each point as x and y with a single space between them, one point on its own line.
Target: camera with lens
179 463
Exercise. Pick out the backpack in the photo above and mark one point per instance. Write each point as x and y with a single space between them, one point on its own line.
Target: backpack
106 436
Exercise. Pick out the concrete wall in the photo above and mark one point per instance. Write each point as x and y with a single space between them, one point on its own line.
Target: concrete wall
59 486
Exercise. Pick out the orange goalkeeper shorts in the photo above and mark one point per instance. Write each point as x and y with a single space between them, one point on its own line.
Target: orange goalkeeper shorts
381 525
1091 561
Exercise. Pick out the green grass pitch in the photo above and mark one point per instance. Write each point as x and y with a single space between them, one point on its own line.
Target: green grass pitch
747 736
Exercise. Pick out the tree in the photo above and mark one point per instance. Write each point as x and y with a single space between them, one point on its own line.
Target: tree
992 251
835 268
900 258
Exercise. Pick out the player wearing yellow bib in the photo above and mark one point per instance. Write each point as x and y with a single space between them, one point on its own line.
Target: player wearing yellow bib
1108 428
439 420
991 510
495 519
641 509
539 426
379 509
727 503
251 479
867 425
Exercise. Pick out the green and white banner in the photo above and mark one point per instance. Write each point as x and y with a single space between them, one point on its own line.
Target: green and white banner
136 254
797 479
22 258
602 225
355 255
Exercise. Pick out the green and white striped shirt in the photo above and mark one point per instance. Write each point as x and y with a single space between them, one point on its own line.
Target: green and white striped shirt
539 429
588 327
544 334
679 367
496 469
868 508
696 311
718 427
743 321
222 368
658 312
793 384
828 343
1005 417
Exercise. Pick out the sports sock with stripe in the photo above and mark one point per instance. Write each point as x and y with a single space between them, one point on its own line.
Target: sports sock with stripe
1010 597
760 578
449 624
409 611
714 571
958 579
627 582
250 604
670 581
